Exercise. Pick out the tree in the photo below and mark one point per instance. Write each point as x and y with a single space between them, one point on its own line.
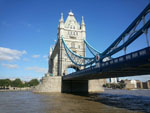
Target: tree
17 83
5 82
33 82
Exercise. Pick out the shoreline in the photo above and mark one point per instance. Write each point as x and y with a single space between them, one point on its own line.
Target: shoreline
16 89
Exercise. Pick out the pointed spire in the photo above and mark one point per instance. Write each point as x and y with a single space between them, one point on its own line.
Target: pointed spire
61 19
50 52
61 22
82 23
71 13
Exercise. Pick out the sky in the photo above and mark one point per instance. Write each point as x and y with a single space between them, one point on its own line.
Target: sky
28 28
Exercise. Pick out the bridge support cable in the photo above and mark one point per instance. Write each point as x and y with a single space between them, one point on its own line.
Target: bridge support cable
146 32
76 59
91 49
132 33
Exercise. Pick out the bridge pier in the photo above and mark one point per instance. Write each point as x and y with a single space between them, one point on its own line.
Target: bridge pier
82 86
75 86
56 84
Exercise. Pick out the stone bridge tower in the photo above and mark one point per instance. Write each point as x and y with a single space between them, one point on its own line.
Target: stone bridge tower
74 35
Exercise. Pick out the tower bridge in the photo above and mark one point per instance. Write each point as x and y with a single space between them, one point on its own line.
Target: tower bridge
69 52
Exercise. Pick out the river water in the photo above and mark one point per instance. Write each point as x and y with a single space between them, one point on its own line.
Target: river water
110 101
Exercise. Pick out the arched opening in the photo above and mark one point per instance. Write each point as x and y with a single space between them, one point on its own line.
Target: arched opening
71 69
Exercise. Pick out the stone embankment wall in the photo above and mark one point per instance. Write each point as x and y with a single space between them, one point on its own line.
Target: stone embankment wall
55 84
49 84
17 89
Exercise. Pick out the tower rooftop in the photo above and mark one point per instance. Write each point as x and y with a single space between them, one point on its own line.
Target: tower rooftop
71 13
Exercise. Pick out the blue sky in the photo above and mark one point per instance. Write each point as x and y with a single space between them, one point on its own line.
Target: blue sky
29 27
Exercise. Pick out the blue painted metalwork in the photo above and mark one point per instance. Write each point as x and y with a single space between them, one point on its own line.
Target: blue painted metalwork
126 65
76 59
132 32
129 41
91 49
112 48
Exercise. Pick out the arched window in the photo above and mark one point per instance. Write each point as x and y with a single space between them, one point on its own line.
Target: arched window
73 45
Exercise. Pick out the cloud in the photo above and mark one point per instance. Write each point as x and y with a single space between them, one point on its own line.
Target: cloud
11 66
35 56
37 69
10 54
45 56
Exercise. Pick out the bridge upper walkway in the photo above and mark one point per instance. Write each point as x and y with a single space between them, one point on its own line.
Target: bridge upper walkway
133 64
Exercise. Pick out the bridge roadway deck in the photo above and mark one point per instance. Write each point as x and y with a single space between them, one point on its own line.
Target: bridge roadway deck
132 64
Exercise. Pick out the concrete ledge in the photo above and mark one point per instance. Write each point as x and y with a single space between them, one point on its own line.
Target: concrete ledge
49 84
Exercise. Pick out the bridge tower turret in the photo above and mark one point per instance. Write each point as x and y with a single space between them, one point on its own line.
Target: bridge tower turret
83 28
61 26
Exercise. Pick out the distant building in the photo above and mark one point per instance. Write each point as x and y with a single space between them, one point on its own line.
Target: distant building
113 80
145 86
139 84
129 85
148 83
134 83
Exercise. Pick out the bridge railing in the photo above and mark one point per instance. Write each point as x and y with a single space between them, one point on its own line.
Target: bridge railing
125 58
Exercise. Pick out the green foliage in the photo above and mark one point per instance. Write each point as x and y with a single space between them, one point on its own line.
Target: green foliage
17 83
5 82
33 82
119 85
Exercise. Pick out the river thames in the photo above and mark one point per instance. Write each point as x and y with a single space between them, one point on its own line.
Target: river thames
110 101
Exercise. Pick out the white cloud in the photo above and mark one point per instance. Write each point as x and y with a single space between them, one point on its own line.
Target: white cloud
37 69
35 56
10 54
45 56
12 66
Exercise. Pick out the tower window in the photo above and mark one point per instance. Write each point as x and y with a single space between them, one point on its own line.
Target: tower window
76 33
73 45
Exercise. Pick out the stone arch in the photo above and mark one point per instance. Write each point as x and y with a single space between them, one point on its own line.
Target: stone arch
76 68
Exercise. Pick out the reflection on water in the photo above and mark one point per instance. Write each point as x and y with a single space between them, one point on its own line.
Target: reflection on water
107 102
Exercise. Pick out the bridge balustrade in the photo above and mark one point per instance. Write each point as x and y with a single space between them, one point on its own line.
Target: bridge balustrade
122 59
